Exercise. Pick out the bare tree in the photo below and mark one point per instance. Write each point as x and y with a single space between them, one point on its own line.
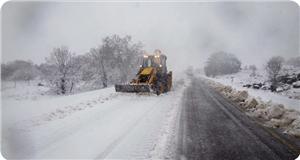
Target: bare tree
221 63
125 56
86 72
64 62
116 59
6 71
253 69
98 56
273 68
23 75
19 70
113 61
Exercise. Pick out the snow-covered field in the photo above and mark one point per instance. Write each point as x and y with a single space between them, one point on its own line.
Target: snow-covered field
95 124
23 90
241 78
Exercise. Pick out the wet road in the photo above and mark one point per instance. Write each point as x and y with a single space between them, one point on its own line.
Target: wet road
212 128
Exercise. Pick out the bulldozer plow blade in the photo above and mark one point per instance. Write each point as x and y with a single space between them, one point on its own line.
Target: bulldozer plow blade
132 88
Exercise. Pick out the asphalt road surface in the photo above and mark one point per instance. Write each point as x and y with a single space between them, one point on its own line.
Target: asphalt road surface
212 128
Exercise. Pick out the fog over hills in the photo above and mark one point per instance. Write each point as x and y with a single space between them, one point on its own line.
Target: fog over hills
186 32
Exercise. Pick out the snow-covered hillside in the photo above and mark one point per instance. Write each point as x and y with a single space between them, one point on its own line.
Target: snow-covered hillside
95 124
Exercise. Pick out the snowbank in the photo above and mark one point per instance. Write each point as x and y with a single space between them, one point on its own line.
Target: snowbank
236 81
269 113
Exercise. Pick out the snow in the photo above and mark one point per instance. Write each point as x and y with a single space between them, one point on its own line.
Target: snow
270 114
22 106
95 124
242 78
22 90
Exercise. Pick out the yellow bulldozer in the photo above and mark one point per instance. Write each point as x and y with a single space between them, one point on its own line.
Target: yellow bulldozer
152 76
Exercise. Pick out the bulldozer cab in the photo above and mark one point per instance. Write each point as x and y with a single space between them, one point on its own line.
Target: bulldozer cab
156 61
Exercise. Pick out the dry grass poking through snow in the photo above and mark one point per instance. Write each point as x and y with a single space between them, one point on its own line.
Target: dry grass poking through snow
270 114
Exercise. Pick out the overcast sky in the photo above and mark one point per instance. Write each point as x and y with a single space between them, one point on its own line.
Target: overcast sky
186 32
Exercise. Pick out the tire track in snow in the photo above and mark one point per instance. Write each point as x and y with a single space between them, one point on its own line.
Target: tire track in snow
157 143
62 112
59 133
103 128
165 149
115 110
118 140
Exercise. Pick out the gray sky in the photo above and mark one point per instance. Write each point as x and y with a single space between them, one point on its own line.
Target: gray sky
186 32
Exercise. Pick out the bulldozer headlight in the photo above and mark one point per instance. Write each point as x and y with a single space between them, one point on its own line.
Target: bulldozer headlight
156 56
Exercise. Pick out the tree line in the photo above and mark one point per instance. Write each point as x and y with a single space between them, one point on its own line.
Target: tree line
115 60
222 63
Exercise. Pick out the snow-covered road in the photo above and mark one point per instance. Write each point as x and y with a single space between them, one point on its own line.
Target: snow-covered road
100 124
213 128
191 122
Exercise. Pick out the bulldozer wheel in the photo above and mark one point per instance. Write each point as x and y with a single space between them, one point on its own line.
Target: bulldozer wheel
159 88
157 92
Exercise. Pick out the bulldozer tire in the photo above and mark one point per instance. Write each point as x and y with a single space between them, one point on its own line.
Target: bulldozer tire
159 88
166 84
157 93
